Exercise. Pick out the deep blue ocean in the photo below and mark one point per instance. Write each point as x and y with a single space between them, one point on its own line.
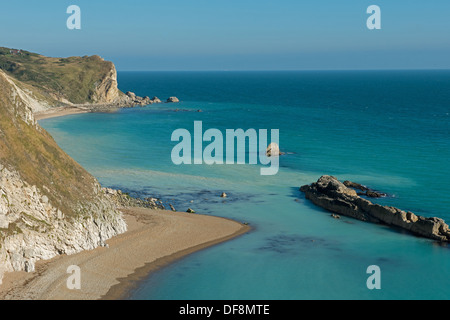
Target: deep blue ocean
389 130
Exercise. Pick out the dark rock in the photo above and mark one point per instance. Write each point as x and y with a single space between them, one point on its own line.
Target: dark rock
366 191
375 194
354 185
336 197
190 210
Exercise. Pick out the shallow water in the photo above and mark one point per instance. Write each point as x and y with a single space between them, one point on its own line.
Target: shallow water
388 130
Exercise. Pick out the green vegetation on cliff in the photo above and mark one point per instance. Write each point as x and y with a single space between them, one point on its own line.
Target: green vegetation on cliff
74 79
33 153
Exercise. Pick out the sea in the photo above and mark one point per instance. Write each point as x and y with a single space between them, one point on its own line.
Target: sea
388 130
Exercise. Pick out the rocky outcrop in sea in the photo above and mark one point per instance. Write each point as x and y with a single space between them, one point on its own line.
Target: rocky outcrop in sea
141 101
133 100
331 194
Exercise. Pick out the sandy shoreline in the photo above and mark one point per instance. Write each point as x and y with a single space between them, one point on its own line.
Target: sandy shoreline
59 112
154 239
76 109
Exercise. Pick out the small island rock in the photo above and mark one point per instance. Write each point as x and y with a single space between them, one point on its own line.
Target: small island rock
155 100
173 100
273 150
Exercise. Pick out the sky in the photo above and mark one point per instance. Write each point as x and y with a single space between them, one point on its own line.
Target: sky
172 35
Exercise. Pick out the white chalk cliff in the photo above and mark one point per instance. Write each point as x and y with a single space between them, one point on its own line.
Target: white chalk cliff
49 205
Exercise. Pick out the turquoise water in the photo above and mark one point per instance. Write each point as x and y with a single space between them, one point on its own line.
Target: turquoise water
387 129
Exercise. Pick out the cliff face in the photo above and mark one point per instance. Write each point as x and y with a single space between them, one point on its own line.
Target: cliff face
49 204
106 90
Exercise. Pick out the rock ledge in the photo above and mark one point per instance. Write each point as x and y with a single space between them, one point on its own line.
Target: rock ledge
334 196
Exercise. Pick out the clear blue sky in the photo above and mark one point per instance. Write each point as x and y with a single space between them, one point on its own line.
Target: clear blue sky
235 34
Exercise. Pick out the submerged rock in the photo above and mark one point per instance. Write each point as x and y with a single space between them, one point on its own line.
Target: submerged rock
332 195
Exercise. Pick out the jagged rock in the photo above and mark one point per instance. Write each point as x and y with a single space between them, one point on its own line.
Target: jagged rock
132 95
173 100
354 185
374 194
366 191
334 196
141 101
28 266
123 200
190 210
273 150
105 89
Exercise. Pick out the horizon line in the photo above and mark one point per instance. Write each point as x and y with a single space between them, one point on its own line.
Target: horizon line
293 70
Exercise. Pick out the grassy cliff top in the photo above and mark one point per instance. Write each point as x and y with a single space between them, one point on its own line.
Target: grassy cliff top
73 79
